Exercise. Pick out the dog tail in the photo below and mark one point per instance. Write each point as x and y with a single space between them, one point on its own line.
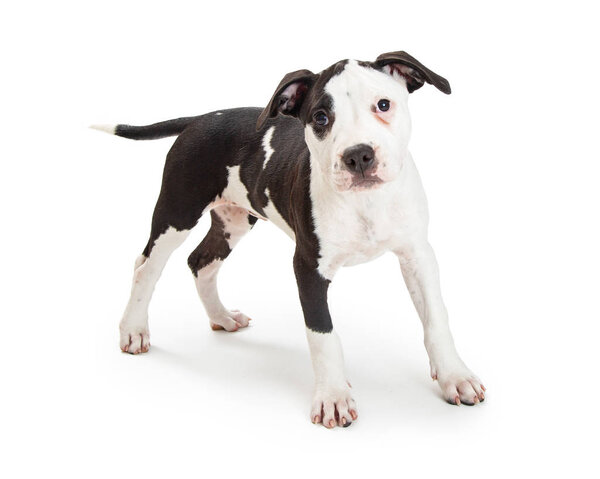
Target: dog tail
155 131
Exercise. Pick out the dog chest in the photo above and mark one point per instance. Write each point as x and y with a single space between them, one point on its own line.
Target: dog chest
349 235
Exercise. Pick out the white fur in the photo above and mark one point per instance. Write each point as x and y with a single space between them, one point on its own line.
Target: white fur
266 142
235 192
135 337
219 316
332 390
420 271
110 129
358 227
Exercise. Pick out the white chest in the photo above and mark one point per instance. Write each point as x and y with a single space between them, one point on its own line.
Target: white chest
357 227
357 230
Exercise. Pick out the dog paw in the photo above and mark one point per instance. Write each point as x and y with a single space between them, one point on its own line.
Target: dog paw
461 386
333 408
229 321
134 340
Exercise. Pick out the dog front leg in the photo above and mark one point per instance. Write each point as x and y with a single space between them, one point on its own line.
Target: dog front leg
332 402
420 271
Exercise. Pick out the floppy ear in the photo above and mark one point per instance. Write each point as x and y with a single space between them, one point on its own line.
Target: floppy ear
288 96
413 70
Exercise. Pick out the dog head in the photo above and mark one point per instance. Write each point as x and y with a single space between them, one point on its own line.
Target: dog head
355 115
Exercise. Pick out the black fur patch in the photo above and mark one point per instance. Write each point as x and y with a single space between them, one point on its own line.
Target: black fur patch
213 246
317 99
325 104
312 288
195 172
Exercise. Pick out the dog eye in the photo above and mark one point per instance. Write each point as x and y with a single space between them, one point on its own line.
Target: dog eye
383 105
321 118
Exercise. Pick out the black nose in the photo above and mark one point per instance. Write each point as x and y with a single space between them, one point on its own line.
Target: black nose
359 158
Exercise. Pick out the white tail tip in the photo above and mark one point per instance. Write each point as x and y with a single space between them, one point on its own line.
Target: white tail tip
110 129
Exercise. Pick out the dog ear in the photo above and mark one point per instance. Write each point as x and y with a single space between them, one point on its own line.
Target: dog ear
288 96
413 70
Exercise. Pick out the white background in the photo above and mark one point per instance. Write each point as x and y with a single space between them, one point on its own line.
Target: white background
510 163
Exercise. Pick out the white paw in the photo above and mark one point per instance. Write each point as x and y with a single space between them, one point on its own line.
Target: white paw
460 386
333 407
134 339
229 321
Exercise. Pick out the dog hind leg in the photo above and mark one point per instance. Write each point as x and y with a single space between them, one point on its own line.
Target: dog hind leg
229 225
177 211
135 336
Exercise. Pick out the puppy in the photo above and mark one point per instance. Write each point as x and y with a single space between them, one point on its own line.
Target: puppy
327 161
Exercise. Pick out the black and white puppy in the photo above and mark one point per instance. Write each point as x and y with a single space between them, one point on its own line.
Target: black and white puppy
327 161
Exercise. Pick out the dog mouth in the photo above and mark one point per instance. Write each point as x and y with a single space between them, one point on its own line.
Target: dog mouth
365 182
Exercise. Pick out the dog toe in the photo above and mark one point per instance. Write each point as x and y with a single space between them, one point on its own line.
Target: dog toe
229 321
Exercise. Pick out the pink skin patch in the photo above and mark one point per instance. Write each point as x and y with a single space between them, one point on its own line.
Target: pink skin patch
384 117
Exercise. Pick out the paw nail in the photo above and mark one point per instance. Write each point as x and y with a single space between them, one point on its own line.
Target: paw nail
457 401
332 423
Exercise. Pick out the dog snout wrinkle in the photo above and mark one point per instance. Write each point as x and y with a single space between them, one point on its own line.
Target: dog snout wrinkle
359 159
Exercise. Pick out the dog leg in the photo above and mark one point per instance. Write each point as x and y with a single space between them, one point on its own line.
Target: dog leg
332 401
135 337
420 271
229 225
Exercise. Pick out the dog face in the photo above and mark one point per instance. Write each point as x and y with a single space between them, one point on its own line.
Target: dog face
358 126
355 116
